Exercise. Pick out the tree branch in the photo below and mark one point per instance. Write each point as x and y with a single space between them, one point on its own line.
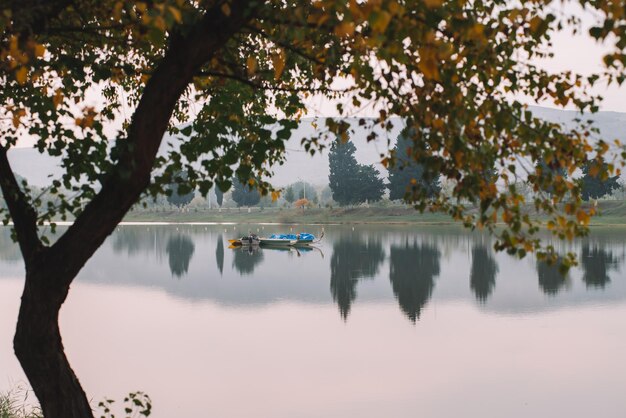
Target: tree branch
185 56
23 214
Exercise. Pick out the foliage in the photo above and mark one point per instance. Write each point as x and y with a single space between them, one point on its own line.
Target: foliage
178 193
243 195
14 404
406 176
302 203
596 185
238 75
136 404
350 181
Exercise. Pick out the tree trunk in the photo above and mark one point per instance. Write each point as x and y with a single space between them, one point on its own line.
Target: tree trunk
39 347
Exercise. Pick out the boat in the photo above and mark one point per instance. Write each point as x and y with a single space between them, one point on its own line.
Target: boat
303 238
249 240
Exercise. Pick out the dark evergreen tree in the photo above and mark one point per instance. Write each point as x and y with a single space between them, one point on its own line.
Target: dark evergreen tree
219 196
594 187
351 182
244 196
405 170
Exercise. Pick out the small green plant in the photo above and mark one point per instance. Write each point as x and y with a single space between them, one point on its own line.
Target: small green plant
136 404
14 404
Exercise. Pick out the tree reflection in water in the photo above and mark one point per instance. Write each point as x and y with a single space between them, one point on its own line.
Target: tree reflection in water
413 269
483 272
352 260
596 263
179 249
246 259
551 280
219 254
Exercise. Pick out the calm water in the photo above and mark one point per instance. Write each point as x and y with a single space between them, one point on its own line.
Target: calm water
377 322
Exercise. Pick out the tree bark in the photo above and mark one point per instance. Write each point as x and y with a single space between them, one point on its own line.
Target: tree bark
39 347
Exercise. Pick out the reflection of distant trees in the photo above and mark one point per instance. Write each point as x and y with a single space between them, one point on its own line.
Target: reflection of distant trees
352 259
246 259
219 254
596 263
483 272
413 269
180 249
9 250
550 277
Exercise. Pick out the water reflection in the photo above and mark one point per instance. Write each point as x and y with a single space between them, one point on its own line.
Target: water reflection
352 259
483 272
412 272
596 263
422 264
219 254
245 259
551 280
180 249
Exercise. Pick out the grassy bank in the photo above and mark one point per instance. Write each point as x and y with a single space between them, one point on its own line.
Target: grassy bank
611 213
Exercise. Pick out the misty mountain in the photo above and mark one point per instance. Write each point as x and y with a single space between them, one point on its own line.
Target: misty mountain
39 169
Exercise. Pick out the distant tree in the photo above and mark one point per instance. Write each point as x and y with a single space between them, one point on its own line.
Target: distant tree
219 196
302 203
350 181
179 193
244 196
594 187
290 195
406 171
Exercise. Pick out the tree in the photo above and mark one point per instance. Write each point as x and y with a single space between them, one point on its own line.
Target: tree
302 203
290 195
406 175
178 197
250 66
244 195
350 181
219 196
594 186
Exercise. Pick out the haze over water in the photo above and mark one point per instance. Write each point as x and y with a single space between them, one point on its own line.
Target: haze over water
378 321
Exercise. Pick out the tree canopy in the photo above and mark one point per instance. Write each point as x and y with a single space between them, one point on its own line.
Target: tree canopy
406 176
350 181
244 195
597 186
98 84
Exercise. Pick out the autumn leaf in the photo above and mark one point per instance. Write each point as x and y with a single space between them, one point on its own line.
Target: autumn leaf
278 60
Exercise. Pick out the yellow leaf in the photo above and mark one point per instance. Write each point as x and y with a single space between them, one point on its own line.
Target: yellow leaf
226 9
344 29
58 97
279 64
175 12
432 4
21 75
251 182
39 50
381 21
428 64
251 65
275 196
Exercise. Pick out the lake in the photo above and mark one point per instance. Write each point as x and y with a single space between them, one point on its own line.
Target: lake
378 321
